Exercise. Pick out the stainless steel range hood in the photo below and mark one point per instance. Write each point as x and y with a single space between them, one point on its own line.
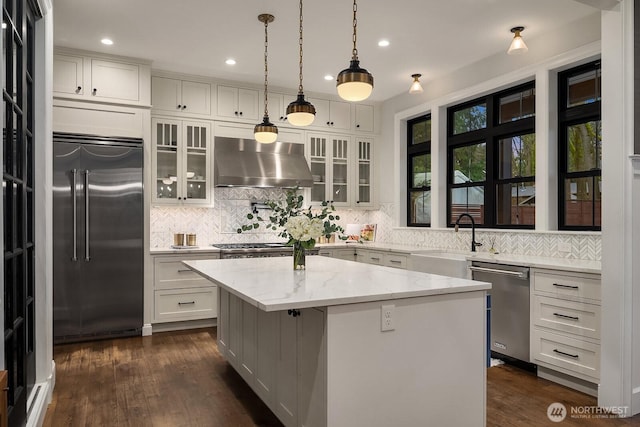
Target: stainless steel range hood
247 163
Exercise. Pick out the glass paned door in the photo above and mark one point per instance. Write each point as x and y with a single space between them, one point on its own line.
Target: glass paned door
318 157
364 171
166 145
340 171
196 172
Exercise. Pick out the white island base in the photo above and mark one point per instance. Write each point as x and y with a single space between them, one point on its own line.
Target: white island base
317 362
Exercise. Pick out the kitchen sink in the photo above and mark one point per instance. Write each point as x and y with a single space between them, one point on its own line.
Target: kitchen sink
453 264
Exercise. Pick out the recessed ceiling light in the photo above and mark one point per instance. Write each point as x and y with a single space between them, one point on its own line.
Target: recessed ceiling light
108 42
383 43
328 77
230 61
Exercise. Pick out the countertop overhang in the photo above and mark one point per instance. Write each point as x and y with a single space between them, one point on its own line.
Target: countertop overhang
271 284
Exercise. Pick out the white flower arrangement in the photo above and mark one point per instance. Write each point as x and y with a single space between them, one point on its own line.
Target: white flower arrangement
295 223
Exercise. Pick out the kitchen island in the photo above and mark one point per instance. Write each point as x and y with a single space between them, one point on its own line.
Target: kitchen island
348 344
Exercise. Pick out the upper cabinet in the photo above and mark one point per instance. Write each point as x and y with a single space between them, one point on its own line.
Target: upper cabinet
180 96
278 104
238 103
181 160
364 118
87 78
332 114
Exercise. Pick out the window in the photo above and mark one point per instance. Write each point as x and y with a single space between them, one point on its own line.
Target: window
580 148
419 171
491 159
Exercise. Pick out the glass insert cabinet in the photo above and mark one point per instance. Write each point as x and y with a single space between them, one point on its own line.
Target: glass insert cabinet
342 170
181 162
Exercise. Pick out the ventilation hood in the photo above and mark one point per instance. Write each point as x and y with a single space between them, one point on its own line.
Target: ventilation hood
247 163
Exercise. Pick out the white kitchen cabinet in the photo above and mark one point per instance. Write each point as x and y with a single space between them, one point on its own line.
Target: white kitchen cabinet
330 160
100 79
68 75
364 118
348 254
342 170
386 258
238 103
565 327
332 114
281 356
180 294
180 96
181 162
363 180
278 104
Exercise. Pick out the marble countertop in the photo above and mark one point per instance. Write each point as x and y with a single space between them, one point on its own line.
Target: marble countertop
271 284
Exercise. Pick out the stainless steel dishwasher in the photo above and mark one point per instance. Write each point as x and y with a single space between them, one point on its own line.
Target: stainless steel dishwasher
509 327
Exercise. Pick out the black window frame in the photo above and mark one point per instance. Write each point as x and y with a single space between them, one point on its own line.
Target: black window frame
415 150
490 135
570 116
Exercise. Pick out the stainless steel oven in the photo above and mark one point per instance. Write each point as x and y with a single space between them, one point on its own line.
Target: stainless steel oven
256 250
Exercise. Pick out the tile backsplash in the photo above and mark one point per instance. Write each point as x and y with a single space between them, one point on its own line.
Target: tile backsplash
231 205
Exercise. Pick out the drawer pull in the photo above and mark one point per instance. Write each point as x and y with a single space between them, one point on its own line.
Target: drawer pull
574 356
184 270
395 261
560 285
375 259
187 303
564 316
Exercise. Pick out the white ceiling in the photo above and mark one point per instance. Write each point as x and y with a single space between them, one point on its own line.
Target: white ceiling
196 36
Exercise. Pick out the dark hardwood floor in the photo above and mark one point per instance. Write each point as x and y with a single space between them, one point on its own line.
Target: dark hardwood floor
180 379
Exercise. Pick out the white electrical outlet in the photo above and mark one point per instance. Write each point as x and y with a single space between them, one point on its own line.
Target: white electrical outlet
564 247
386 318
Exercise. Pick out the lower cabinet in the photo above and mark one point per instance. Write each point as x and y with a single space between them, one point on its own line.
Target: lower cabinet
387 258
281 356
180 294
565 327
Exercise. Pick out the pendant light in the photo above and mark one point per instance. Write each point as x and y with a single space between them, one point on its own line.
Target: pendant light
517 44
265 132
416 87
354 83
300 112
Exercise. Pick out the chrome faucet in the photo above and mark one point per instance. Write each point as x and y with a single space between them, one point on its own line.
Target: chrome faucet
474 244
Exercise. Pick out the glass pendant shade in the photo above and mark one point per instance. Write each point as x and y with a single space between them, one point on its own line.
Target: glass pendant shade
416 87
354 83
301 112
518 45
265 132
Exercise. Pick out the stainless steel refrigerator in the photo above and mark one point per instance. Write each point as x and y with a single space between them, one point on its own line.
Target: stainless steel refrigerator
97 237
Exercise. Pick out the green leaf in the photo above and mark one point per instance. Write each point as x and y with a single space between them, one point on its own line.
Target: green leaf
256 225
239 230
249 216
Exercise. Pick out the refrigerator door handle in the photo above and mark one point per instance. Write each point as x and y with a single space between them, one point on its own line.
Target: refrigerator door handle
86 216
74 174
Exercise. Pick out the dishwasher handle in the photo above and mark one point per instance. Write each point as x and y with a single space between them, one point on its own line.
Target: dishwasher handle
522 274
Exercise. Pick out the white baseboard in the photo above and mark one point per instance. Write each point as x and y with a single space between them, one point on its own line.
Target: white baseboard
568 381
178 326
147 330
41 401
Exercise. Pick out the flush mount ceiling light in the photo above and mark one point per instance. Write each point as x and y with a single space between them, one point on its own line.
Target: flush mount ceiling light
300 112
517 44
383 43
328 77
416 87
354 83
230 61
106 41
265 132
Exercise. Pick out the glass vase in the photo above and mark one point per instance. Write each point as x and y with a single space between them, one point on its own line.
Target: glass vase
298 256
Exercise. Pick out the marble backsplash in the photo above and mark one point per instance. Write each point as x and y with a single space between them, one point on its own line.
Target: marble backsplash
231 205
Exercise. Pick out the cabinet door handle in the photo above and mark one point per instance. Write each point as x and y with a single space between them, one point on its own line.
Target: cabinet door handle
179 106
560 285
564 316
183 270
294 313
184 107
79 88
574 356
94 91
235 112
375 259
240 112
187 303
395 261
